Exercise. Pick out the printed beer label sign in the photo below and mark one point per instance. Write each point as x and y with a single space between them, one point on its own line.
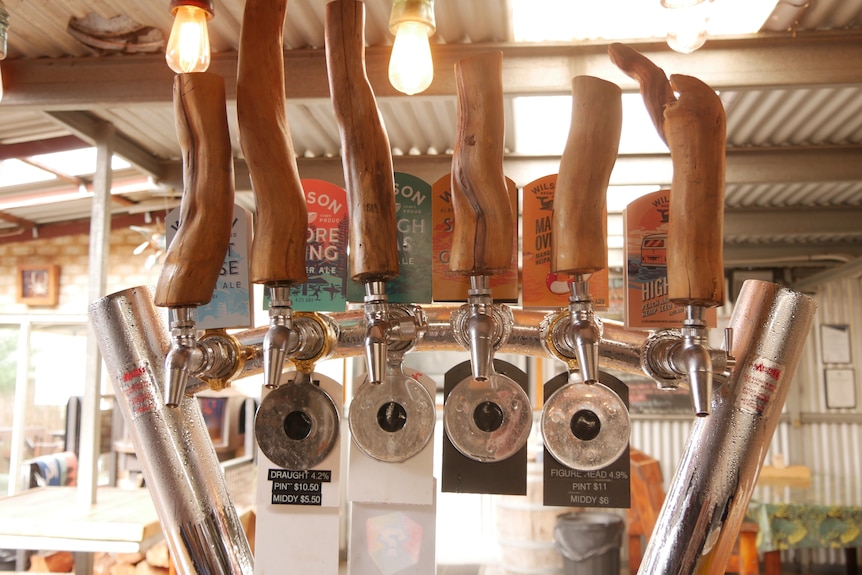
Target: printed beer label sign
645 221
413 222
449 286
325 251
231 304
542 288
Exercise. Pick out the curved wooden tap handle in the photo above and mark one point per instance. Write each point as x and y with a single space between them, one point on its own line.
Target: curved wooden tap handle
579 244
484 224
194 259
655 88
367 159
695 128
281 219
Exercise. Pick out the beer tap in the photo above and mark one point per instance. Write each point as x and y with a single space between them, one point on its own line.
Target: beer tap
194 259
297 423
488 416
584 423
281 220
694 128
373 245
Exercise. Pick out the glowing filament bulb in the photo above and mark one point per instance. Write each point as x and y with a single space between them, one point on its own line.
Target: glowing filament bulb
410 66
188 47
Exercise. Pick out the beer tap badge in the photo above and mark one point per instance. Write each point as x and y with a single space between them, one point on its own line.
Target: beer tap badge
645 221
325 249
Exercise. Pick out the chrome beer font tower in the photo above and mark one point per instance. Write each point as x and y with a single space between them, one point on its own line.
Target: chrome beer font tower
694 128
194 258
297 424
391 415
585 425
487 416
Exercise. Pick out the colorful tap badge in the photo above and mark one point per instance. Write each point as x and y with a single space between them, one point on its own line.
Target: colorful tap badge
231 303
325 249
413 213
448 286
645 221
542 288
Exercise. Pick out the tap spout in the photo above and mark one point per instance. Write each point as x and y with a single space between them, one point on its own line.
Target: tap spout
694 359
480 328
376 330
584 330
281 337
184 356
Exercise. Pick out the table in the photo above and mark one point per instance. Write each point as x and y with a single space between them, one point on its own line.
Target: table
50 518
825 514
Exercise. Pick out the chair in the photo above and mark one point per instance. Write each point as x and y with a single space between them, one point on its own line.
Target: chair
647 498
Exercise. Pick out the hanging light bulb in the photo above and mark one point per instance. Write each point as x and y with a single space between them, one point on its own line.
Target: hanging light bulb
188 47
4 28
688 23
410 66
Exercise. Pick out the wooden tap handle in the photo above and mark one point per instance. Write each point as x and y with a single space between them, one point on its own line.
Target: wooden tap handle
655 88
579 244
695 128
366 156
281 219
194 259
484 224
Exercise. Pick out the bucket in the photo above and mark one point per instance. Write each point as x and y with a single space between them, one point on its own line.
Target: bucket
589 542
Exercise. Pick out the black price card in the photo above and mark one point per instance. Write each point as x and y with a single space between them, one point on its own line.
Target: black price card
606 487
290 487
464 475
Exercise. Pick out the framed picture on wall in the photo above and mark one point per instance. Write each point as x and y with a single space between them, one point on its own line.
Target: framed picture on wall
840 388
38 284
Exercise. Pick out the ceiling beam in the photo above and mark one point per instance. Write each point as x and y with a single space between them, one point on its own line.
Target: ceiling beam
831 222
744 166
39 147
850 269
808 60
85 126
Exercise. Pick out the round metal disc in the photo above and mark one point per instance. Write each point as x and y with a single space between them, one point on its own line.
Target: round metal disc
296 425
393 420
488 420
585 426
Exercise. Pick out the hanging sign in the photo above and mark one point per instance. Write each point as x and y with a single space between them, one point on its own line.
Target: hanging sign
542 288
325 249
645 221
449 286
413 222
231 304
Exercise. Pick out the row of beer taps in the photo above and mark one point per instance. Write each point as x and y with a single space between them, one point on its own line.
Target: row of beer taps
488 416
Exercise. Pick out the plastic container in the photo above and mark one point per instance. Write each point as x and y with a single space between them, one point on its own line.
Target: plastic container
590 542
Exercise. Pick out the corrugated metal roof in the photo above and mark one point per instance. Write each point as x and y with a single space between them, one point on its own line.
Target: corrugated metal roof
775 118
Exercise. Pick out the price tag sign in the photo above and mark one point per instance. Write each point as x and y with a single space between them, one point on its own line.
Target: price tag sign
607 487
298 487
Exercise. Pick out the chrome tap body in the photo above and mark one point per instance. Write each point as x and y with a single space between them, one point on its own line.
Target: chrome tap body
584 331
376 330
281 337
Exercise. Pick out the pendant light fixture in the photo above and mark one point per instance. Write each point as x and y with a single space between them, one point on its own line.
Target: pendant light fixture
411 68
188 48
688 23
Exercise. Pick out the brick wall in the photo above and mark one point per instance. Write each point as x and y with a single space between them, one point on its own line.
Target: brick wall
71 253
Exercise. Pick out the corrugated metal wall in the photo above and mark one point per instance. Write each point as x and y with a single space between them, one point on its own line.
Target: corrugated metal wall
828 441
